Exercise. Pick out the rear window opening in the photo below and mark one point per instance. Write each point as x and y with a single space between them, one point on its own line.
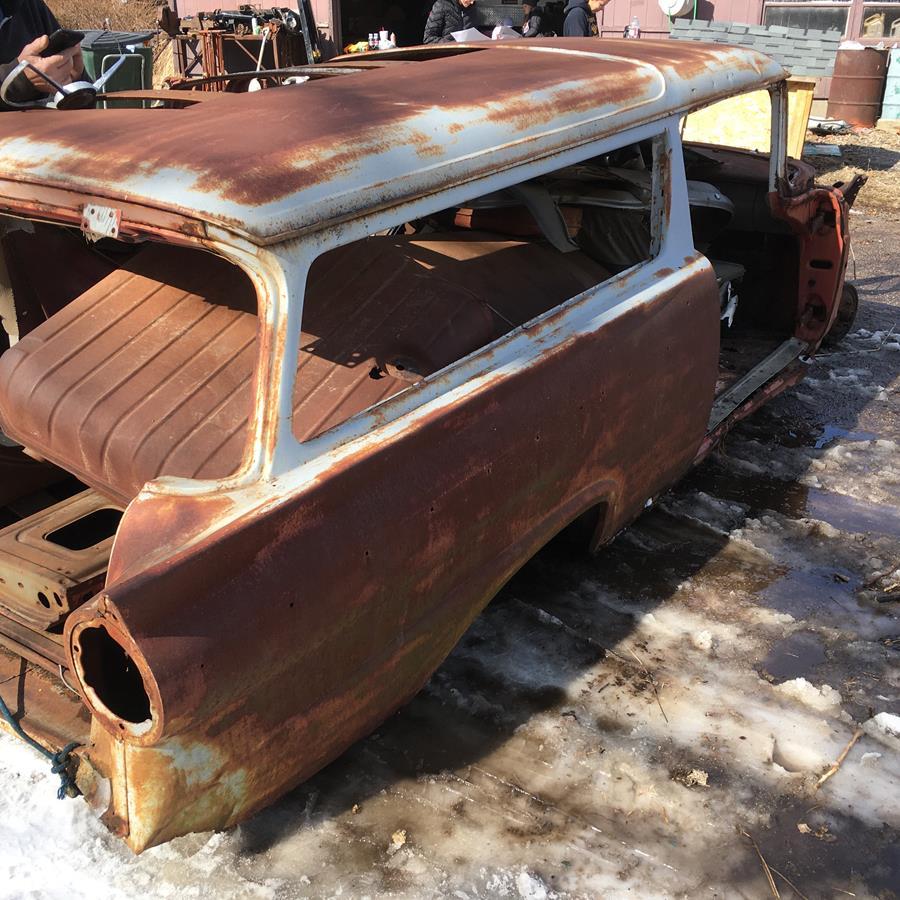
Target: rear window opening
138 363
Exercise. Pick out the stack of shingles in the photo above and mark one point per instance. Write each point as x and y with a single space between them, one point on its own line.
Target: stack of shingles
805 52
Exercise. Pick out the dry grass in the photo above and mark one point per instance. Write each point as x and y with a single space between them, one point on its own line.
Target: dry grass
872 152
117 15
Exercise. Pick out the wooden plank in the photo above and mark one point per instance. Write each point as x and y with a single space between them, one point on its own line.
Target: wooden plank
745 121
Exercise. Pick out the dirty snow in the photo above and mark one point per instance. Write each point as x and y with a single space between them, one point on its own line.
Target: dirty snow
823 699
613 727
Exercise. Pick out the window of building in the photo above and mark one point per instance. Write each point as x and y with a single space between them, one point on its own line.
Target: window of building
881 20
808 14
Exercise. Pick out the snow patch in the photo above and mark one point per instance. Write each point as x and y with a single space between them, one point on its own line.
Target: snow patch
824 699
702 640
884 727
530 887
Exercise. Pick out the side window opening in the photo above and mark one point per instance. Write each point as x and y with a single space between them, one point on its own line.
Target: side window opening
386 312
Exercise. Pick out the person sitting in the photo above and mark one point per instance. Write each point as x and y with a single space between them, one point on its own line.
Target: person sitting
578 17
447 16
25 26
532 26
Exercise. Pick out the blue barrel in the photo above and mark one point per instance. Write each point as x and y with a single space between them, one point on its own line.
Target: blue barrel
891 107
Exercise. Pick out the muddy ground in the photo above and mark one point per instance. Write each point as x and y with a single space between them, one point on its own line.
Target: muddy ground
648 723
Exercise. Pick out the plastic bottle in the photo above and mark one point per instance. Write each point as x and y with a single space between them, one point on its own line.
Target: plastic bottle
634 28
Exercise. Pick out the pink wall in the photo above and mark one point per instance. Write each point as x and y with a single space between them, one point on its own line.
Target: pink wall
617 14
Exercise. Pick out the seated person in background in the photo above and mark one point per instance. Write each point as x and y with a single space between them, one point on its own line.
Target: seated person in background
25 26
447 16
579 14
531 26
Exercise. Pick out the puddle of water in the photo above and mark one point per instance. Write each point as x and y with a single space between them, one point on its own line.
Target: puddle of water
832 433
813 594
789 498
795 656
849 514
805 593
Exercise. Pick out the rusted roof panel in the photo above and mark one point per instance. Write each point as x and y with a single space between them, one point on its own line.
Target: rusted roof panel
275 162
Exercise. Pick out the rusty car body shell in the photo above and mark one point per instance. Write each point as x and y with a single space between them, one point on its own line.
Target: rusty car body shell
280 613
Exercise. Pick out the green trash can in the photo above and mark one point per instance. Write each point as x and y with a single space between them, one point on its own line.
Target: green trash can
102 49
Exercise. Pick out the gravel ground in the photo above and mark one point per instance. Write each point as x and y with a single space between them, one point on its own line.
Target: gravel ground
649 723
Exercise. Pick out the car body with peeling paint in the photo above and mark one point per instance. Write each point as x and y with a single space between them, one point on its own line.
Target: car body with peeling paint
297 379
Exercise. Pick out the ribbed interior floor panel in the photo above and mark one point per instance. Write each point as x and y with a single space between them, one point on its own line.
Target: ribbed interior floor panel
150 371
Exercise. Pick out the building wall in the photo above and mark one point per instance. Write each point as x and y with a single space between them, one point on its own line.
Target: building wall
617 14
614 17
849 15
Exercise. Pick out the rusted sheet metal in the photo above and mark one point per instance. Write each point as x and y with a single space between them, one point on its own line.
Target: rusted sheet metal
199 87
40 202
792 375
379 603
176 98
44 649
819 218
357 590
276 162
108 386
50 713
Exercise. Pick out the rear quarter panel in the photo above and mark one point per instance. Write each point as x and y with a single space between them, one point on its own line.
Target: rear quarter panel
306 624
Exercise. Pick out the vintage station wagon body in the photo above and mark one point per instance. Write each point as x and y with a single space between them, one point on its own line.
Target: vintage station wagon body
346 354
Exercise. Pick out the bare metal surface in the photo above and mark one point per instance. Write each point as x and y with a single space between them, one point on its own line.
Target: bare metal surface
98 221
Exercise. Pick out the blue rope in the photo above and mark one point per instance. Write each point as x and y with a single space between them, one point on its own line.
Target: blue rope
59 761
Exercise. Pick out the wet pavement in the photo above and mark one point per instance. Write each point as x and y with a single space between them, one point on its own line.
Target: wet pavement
651 722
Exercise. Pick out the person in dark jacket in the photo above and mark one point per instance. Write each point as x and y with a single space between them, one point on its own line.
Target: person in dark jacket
531 26
447 16
24 29
579 13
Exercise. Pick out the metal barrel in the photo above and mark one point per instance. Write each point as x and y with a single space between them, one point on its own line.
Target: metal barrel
857 86
891 107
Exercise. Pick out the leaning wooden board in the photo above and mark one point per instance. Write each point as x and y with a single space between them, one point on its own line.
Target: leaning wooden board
745 121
